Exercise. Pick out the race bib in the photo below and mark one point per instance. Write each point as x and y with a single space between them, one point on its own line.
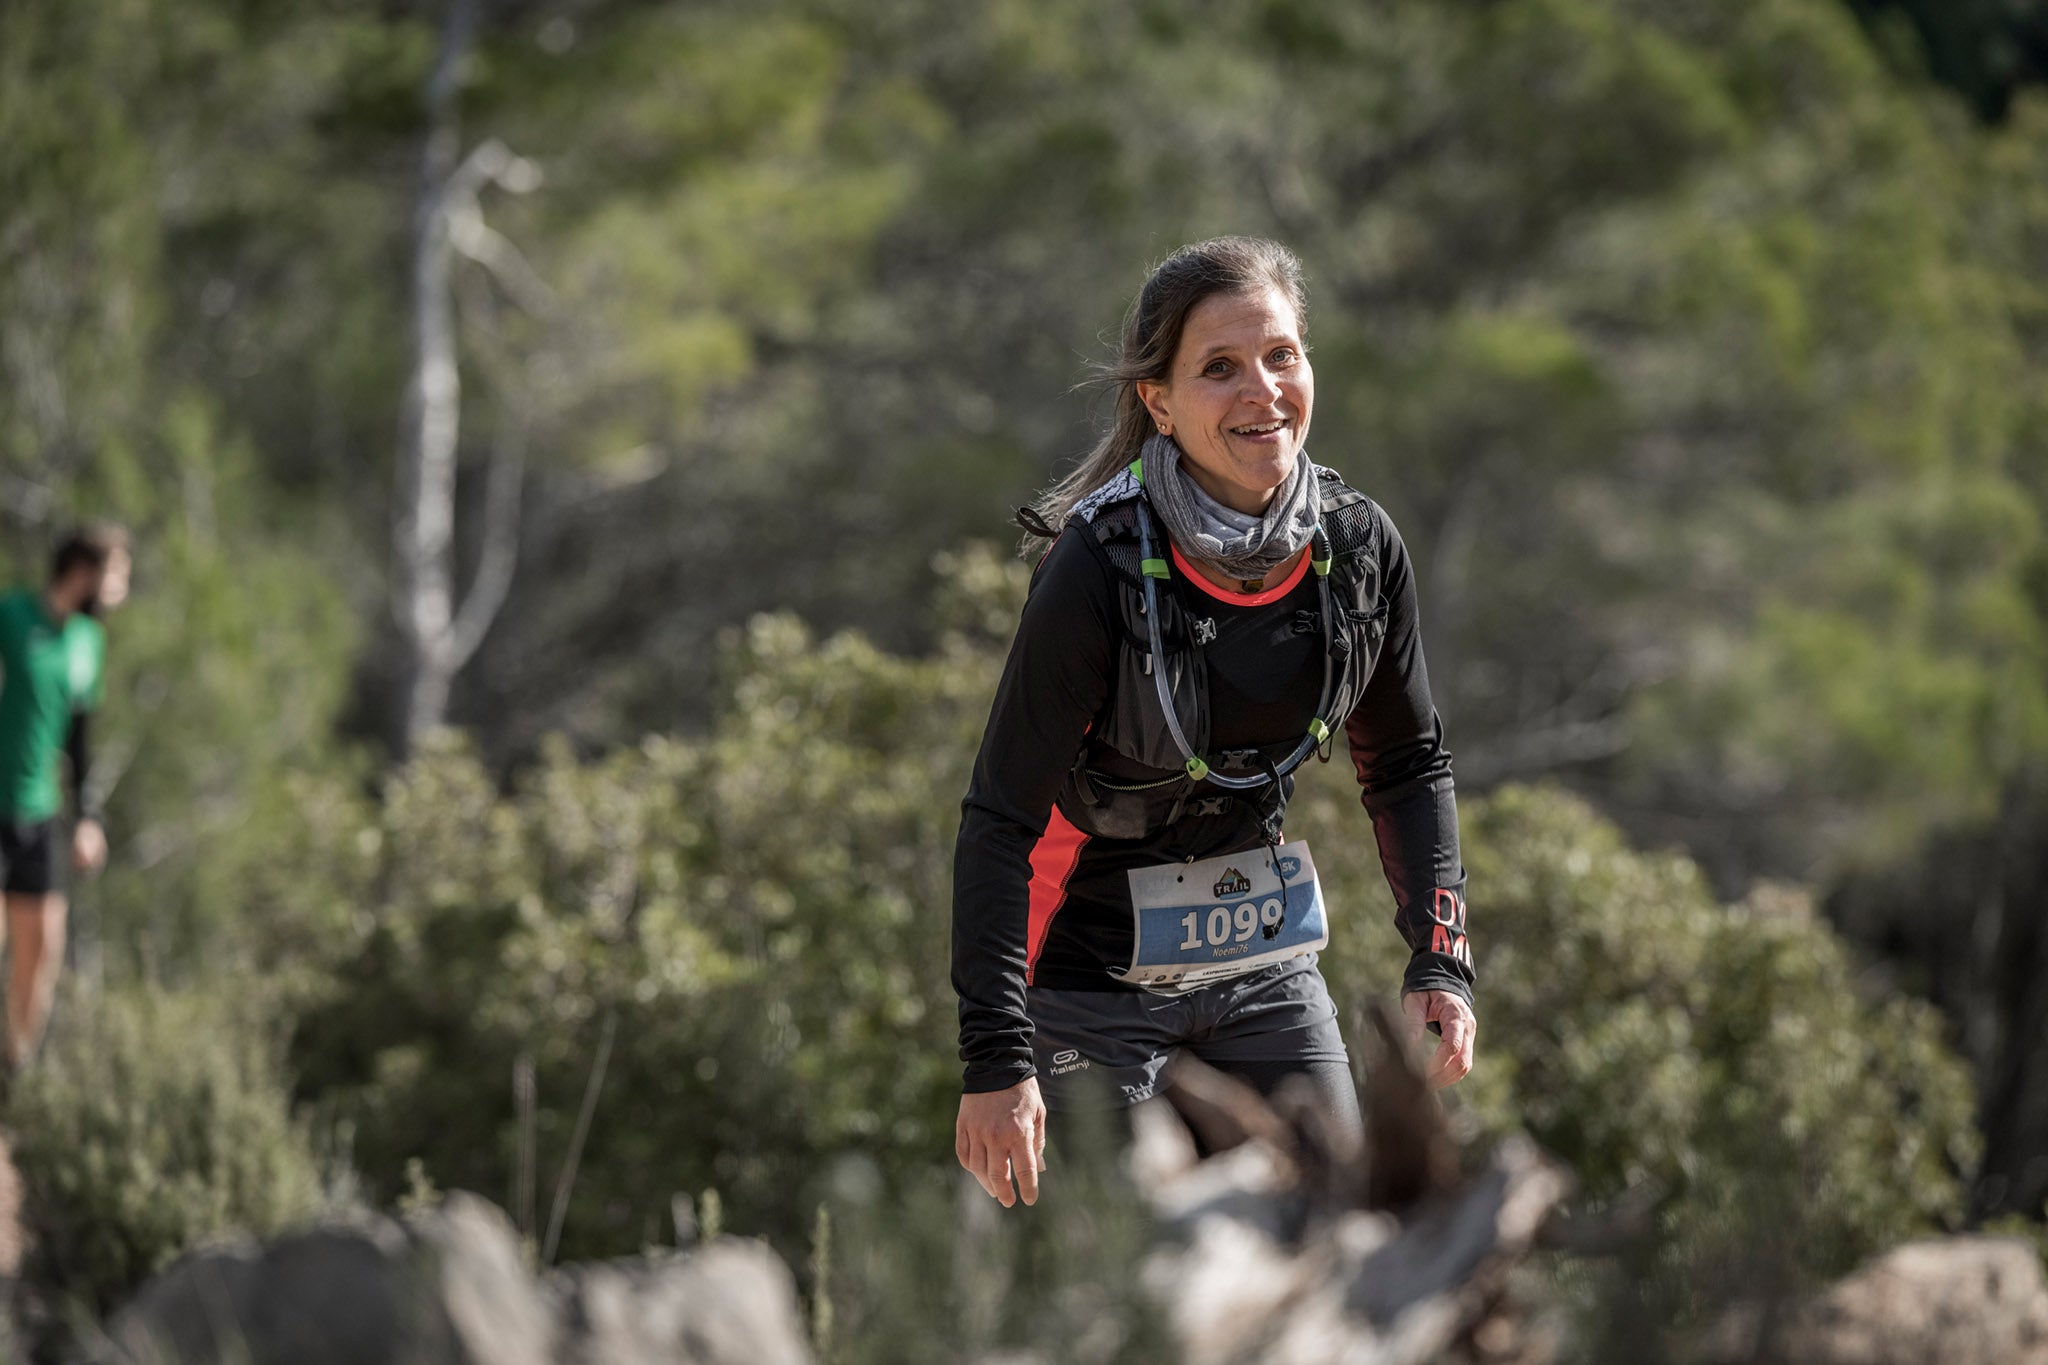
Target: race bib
1194 923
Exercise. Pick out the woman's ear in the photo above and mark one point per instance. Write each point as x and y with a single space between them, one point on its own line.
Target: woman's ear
1152 394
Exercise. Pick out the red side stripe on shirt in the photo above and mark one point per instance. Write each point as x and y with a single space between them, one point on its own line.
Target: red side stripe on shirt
1053 859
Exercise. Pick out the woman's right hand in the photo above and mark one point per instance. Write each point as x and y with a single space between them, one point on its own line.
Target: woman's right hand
1001 1133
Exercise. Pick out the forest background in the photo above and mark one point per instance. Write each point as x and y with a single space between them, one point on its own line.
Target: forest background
570 445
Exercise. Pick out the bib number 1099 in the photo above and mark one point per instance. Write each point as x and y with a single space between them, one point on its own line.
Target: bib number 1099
1230 925
1193 923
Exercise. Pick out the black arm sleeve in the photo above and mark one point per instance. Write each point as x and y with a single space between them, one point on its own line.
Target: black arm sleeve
1052 688
78 745
1404 771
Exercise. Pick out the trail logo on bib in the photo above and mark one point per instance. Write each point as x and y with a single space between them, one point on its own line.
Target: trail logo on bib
1262 909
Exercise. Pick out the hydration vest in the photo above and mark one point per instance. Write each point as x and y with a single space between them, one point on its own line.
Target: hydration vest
1176 771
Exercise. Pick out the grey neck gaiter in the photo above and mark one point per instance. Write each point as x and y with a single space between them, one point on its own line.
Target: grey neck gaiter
1236 544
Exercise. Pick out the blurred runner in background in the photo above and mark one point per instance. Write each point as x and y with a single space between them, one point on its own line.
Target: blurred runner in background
52 660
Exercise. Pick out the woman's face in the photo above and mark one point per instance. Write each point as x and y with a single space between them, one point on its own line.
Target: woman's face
1237 396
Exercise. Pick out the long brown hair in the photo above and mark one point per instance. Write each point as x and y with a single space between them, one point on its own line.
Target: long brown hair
1151 336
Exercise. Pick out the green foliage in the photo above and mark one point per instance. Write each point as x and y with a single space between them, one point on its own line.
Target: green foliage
233 658
766 910
1722 1057
1988 51
782 992
1689 345
154 1122
934 1271
1697 356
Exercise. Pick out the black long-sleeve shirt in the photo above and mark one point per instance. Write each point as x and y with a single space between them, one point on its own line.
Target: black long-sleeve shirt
1036 902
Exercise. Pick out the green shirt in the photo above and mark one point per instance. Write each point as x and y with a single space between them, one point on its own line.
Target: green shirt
49 671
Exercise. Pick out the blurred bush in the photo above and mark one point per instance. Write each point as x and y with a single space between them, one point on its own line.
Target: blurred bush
154 1121
762 914
935 1271
1718 1061
765 913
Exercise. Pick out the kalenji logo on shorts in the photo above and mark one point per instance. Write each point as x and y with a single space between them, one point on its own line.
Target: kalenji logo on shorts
1068 1060
1233 883
1062 1058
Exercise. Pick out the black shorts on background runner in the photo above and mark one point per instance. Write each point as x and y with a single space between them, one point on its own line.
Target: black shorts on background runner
29 853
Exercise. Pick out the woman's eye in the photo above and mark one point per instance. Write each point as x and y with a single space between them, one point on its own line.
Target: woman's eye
1216 367
1284 356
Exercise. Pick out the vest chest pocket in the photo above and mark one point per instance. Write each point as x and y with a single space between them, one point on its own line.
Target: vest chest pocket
1365 631
1132 723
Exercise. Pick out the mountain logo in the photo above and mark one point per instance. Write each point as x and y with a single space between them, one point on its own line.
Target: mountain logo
1233 883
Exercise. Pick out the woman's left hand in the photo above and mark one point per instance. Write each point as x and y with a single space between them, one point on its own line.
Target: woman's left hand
1453 1057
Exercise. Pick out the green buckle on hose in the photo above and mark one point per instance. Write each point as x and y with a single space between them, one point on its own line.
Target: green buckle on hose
1318 729
1197 769
1154 568
1321 566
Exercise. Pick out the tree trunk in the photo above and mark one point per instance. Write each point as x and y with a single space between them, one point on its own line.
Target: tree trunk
438 634
424 520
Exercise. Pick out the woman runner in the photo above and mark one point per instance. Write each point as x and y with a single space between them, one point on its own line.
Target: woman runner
1211 609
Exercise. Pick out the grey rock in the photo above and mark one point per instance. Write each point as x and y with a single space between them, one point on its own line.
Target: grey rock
323 1297
481 1300
1968 1300
451 1287
730 1303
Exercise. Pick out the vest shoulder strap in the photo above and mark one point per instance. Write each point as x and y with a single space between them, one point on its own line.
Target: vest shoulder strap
1122 488
1114 526
1350 519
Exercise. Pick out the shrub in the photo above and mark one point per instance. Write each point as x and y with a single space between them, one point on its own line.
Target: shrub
153 1122
1719 1056
765 912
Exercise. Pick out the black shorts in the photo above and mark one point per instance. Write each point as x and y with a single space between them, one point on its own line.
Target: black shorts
1107 1049
29 853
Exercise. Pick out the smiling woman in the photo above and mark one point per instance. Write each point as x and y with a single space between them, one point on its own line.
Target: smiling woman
1237 399
1122 892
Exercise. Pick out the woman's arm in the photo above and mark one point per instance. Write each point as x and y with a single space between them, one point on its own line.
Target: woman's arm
1053 686
1404 773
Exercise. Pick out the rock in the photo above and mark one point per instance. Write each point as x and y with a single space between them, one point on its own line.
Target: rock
1959 1300
1360 1286
324 1297
451 1287
482 1302
730 1303
1292 1246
